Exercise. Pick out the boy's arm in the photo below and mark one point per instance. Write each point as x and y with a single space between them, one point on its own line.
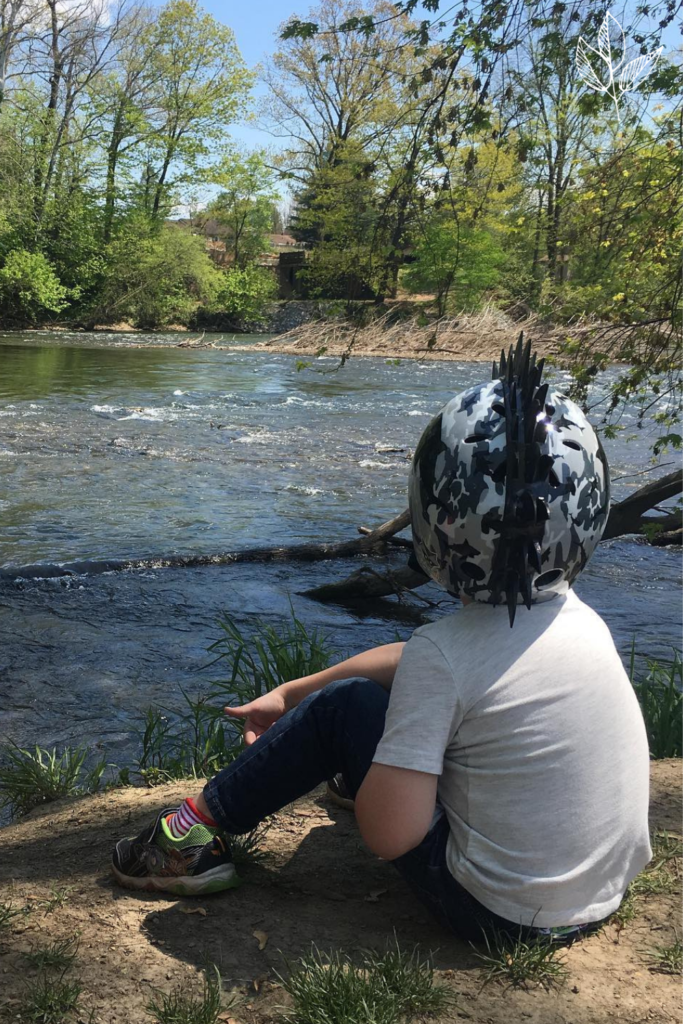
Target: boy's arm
378 664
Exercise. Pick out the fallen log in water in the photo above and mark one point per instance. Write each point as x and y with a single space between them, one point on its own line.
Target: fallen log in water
625 517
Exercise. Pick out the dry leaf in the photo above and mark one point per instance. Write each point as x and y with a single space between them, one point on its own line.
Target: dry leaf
262 938
193 910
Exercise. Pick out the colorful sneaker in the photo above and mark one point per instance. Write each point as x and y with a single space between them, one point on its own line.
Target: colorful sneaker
155 861
339 794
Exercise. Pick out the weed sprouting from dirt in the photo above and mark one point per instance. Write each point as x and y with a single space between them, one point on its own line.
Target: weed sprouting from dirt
59 955
662 877
248 848
51 1000
665 959
57 898
7 914
29 778
382 988
183 1007
521 962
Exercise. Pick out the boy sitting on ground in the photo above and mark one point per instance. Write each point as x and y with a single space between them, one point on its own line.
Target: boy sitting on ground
503 772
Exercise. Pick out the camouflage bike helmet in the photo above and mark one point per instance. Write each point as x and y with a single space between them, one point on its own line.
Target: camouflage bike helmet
509 489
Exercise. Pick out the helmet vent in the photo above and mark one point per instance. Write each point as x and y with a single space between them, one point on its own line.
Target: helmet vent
546 579
572 444
473 438
553 478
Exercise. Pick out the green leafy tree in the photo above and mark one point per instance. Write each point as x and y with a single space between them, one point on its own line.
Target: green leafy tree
460 265
201 88
243 209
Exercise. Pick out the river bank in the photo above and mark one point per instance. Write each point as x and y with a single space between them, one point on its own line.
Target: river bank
317 885
317 328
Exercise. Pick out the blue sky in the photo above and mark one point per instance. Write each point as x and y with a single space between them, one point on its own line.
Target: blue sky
255 24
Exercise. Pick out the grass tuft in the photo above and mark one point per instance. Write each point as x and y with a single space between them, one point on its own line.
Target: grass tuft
521 962
182 1007
383 988
59 955
7 914
268 658
51 1001
660 695
248 848
665 959
661 877
29 778
197 740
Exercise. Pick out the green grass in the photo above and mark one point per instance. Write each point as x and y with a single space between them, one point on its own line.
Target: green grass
51 1001
29 778
197 739
271 656
665 959
382 988
521 962
660 694
183 1007
248 848
7 914
660 878
57 898
59 955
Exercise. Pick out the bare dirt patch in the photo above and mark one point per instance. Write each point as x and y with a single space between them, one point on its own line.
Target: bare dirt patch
319 885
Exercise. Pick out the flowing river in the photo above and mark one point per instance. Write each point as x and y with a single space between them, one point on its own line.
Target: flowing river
109 450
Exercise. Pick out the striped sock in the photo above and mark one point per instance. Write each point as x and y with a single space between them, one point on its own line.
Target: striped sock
185 817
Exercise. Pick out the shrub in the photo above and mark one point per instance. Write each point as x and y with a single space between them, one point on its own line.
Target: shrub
244 293
29 286
155 276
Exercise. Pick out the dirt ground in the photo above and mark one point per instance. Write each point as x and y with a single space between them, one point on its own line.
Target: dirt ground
318 885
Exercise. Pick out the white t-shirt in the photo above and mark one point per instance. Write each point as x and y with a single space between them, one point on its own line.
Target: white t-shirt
541 748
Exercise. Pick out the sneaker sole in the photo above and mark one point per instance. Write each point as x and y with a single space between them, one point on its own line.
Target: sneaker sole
341 801
216 880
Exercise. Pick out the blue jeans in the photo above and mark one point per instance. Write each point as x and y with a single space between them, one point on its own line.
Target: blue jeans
337 730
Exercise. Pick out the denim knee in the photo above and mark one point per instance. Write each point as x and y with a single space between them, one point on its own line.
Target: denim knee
355 694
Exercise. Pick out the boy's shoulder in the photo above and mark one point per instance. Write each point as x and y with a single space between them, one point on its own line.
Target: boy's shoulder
482 631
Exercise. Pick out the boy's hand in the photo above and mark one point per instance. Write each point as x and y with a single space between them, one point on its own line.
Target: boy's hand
258 715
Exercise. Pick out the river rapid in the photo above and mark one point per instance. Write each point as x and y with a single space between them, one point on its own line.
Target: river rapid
113 450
